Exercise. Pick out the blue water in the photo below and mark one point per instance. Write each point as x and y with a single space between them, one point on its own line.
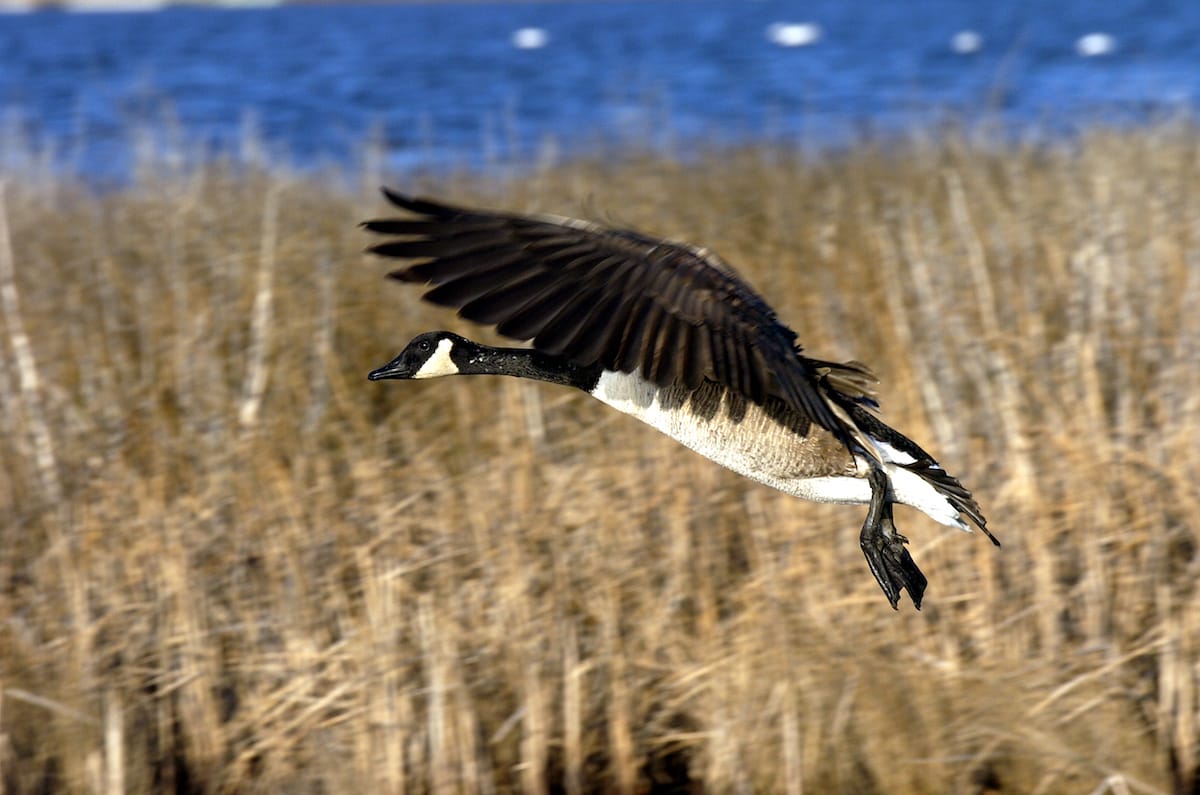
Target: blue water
443 84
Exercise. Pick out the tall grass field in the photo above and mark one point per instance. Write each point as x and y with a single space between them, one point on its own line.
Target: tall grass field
231 564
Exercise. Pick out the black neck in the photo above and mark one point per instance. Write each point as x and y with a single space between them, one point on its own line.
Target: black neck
525 363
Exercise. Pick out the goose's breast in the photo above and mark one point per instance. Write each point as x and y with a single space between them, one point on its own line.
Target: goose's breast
774 448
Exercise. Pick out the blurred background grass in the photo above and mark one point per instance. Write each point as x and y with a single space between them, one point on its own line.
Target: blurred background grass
231 564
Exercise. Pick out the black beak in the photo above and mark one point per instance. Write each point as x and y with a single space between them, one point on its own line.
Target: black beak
396 368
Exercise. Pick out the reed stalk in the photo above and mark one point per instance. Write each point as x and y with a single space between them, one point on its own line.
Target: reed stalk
230 563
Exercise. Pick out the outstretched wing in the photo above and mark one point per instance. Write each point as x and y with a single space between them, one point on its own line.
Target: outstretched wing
625 301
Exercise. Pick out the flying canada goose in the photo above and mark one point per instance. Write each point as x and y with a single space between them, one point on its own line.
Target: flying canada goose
668 333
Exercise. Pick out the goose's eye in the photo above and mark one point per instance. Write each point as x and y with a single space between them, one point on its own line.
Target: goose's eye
423 346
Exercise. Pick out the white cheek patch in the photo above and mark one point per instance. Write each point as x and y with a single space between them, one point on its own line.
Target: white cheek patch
439 363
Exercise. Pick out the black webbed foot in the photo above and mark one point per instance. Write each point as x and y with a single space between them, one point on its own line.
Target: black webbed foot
889 561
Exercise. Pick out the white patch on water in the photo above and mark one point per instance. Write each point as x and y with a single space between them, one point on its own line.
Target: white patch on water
793 34
1092 45
530 38
966 42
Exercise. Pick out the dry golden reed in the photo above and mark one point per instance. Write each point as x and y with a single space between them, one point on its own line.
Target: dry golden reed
232 564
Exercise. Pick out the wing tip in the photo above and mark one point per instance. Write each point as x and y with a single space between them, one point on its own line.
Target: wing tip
396 197
380 225
407 275
417 204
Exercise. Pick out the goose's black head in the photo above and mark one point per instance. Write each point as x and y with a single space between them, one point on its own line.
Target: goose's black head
429 355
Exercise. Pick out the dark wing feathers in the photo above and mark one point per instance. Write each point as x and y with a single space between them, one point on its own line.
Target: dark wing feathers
696 355
606 344
447 268
596 295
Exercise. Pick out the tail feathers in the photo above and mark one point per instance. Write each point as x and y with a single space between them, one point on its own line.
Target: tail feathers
898 450
955 493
